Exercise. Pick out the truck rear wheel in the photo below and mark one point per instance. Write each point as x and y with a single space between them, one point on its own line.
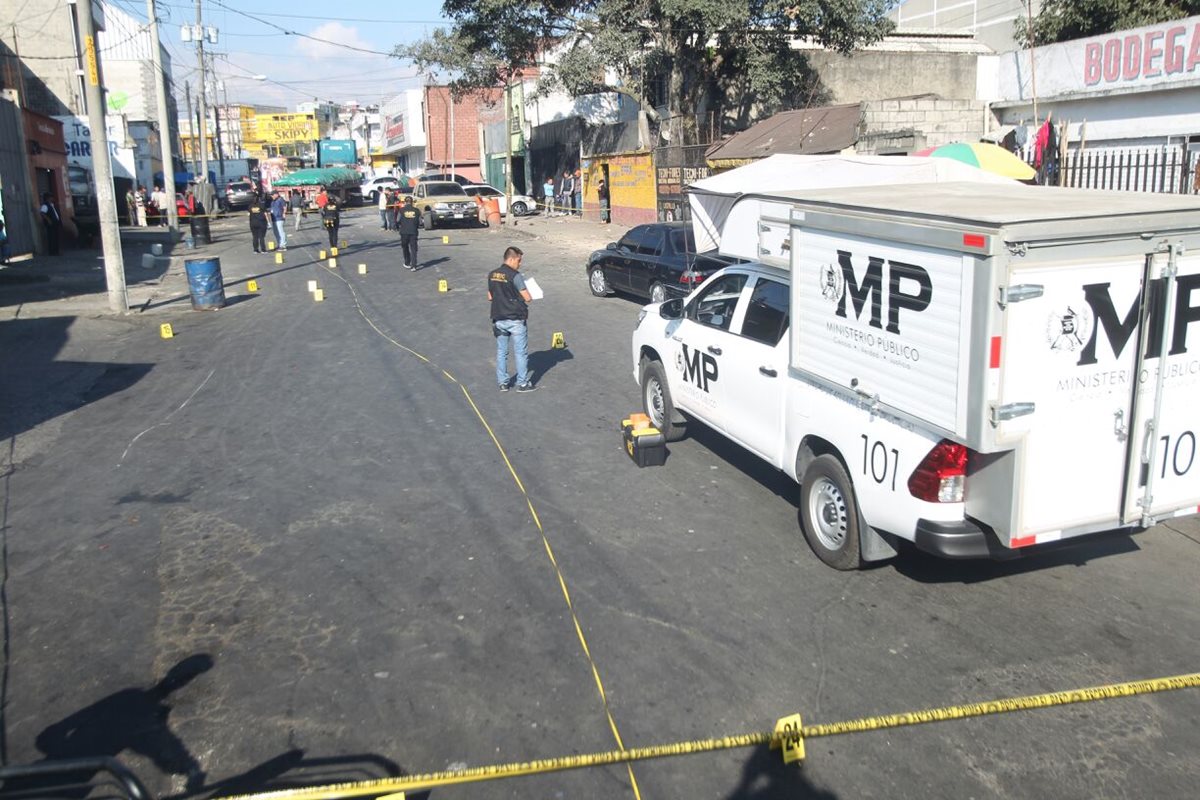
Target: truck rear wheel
829 513
656 400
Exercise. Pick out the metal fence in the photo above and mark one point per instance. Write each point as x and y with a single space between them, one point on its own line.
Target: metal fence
1171 169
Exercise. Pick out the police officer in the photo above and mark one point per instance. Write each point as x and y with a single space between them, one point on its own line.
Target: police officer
331 215
259 222
408 221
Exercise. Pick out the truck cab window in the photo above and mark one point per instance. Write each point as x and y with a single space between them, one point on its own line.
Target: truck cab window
715 306
767 315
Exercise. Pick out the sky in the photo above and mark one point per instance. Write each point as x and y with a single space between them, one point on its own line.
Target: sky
298 69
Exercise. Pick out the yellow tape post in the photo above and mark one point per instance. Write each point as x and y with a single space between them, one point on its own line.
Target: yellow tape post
443 286
780 737
252 285
166 331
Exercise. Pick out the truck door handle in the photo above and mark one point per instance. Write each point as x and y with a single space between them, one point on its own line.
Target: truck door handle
676 339
716 351
770 373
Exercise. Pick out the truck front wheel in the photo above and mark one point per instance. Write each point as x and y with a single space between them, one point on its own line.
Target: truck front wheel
829 513
656 400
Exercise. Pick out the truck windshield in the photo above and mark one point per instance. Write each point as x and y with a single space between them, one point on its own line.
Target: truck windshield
443 189
79 180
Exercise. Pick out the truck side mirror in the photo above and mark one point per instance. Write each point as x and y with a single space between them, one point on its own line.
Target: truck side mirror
671 309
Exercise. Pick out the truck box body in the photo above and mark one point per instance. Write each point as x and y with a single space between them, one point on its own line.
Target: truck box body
336 153
1045 329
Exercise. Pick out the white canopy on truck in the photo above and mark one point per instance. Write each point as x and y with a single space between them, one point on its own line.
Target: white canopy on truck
727 208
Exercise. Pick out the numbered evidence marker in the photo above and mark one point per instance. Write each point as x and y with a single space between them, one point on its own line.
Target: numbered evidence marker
342 243
279 258
332 262
788 730
319 295
312 286
322 255
362 269
252 285
166 331
270 245
333 252
557 342
443 286
445 240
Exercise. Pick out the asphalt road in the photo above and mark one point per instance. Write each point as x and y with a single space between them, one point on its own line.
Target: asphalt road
300 508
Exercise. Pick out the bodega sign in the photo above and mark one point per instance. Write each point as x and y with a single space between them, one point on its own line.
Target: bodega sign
1155 57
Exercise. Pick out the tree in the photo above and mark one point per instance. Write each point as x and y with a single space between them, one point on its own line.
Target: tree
1063 20
689 55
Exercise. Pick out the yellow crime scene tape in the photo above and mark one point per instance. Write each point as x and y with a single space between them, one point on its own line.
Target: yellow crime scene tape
789 733
782 736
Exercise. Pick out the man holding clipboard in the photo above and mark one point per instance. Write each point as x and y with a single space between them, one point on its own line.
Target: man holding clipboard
510 295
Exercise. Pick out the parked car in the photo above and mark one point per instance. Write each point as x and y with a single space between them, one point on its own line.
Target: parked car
443 202
238 195
522 204
371 187
446 176
657 261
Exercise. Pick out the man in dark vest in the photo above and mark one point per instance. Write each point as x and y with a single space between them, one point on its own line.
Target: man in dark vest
510 313
408 221
331 215
259 221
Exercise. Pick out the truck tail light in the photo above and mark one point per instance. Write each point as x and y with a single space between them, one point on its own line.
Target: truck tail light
941 475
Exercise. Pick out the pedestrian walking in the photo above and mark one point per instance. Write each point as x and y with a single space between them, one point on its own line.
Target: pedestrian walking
260 219
577 196
510 319
51 223
321 199
331 215
548 195
296 199
131 206
278 219
602 196
566 188
384 212
408 223
140 200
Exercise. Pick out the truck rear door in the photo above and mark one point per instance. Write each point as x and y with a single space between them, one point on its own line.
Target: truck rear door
1072 353
1162 474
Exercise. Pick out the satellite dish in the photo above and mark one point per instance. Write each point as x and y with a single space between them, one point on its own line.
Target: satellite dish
665 132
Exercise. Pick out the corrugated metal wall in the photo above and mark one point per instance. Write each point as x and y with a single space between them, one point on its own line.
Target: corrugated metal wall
14 180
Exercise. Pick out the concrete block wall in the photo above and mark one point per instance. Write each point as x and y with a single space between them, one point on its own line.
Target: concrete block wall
889 126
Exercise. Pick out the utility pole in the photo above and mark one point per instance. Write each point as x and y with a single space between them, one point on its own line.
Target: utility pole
203 93
187 90
508 126
110 226
164 125
217 123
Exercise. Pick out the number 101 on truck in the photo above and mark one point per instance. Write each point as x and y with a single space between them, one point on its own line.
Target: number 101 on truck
981 370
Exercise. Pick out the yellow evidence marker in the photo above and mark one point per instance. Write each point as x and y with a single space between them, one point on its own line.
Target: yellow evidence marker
333 251
443 286
312 286
342 243
166 331
362 269
279 258
445 240
270 245
332 262
322 255
319 295
788 729
557 342
252 286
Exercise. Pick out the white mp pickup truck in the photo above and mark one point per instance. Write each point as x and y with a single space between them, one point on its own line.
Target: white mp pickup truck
977 369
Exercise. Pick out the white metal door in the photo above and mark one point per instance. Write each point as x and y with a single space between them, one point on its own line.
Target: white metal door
756 372
1163 476
1071 353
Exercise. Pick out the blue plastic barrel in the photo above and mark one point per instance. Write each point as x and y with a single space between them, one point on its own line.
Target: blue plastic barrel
205 283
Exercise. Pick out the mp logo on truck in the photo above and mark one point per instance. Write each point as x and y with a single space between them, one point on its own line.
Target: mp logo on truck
838 284
1078 329
696 367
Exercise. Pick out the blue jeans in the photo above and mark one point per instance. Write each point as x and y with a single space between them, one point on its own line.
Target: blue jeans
280 233
517 330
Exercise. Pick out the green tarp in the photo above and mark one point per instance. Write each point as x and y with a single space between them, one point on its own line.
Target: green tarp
331 176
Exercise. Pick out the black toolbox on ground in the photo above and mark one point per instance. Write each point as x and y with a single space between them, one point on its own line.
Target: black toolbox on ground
645 445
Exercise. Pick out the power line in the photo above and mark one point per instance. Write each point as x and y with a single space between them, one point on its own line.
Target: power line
297 33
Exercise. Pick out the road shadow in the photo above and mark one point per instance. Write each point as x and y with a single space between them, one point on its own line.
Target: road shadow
766 777
432 263
543 361
36 388
748 464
